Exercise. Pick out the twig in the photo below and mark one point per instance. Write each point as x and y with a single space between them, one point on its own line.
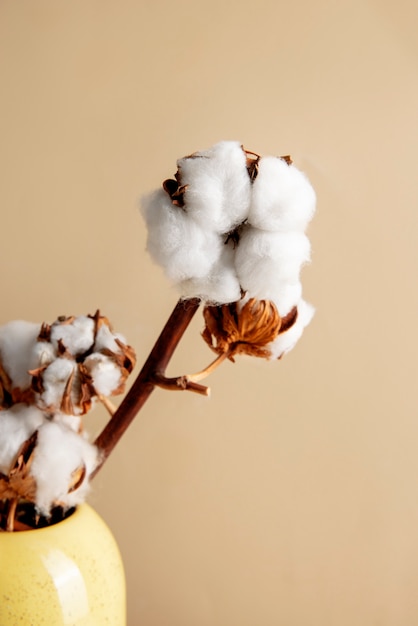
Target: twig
180 383
109 406
11 514
210 368
145 382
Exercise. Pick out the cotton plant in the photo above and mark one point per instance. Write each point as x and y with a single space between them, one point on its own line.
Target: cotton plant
229 231
51 376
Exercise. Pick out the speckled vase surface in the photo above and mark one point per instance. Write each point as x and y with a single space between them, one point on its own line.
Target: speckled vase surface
70 573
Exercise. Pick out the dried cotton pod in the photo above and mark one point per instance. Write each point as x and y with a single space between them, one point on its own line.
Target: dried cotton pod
244 328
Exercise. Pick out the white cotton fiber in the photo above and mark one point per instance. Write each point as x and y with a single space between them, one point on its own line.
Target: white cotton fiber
286 296
282 197
54 379
76 336
261 211
43 352
287 340
183 248
17 340
220 285
105 373
267 261
16 426
73 422
59 453
106 339
218 186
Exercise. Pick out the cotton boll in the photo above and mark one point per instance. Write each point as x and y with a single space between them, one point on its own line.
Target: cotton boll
17 340
106 375
43 352
176 242
268 261
70 421
16 426
106 339
287 340
218 188
220 286
282 197
55 378
77 336
59 453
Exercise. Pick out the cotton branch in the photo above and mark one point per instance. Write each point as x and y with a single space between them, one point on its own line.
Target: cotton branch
229 231
151 375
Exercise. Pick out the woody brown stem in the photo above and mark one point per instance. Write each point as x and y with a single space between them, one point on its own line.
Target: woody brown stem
11 514
145 382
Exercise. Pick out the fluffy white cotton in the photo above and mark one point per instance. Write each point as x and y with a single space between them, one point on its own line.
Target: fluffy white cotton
106 339
282 197
60 452
55 378
17 341
261 208
268 261
266 216
105 373
286 296
43 353
287 340
183 248
220 285
16 426
71 421
218 186
77 336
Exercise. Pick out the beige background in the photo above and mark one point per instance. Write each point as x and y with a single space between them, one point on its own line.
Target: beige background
290 497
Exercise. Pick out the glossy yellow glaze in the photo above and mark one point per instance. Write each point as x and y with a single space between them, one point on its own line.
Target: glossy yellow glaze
68 574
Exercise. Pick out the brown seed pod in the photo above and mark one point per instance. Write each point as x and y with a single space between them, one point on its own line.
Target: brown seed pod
242 329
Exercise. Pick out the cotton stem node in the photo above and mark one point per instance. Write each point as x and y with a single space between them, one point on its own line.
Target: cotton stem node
180 383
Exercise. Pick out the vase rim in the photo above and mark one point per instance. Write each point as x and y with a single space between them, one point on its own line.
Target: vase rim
71 517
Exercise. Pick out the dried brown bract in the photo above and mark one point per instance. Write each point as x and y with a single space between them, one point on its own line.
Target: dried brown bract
242 329
175 190
10 394
19 483
253 160
287 158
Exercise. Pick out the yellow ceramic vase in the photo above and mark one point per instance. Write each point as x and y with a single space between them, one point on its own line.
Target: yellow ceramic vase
68 574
